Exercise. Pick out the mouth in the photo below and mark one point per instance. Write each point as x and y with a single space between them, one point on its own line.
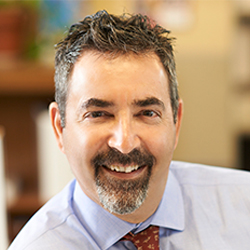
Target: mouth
123 169
129 166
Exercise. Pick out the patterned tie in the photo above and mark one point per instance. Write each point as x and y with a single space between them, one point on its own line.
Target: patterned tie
146 239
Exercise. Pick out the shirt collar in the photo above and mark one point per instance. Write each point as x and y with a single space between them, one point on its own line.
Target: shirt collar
170 213
101 225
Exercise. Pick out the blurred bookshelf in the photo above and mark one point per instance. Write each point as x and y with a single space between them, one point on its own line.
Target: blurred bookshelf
26 88
26 78
28 32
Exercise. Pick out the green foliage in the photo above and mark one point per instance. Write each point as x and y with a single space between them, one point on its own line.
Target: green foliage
21 3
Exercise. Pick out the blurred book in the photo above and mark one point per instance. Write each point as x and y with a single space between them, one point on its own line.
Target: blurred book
53 168
3 208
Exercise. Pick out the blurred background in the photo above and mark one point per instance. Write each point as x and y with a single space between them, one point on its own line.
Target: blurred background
213 66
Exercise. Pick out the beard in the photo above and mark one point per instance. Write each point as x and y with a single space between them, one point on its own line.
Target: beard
122 196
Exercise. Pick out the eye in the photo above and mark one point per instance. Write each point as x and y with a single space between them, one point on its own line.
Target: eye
149 113
97 114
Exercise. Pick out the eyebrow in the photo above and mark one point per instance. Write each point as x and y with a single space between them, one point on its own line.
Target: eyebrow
148 102
95 102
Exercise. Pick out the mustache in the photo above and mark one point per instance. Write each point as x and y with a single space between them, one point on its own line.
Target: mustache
113 156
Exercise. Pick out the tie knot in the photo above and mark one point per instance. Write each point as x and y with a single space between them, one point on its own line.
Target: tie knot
146 239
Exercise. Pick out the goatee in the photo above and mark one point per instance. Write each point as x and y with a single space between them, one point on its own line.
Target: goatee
122 196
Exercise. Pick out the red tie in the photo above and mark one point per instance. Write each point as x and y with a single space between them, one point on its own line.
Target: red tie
146 239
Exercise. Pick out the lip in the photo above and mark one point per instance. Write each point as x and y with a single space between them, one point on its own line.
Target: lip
123 175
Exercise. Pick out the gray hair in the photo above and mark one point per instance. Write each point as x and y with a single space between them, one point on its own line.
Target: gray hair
110 34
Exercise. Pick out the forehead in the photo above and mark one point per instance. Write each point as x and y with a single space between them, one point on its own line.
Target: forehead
132 76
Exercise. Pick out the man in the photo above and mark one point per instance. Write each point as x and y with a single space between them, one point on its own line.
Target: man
117 118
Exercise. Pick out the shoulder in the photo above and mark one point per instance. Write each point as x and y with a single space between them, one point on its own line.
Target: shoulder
216 205
213 189
53 222
199 174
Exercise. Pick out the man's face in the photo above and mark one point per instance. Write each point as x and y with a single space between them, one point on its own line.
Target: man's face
119 136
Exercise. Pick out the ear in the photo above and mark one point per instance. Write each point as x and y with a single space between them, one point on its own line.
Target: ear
178 121
55 119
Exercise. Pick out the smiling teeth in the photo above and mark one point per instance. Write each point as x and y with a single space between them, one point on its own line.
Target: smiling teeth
121 169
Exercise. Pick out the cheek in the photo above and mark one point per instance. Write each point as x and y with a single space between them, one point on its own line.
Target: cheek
79 150
161 144
75 146
80 147
163 150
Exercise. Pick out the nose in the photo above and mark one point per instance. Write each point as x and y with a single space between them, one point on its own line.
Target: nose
123 136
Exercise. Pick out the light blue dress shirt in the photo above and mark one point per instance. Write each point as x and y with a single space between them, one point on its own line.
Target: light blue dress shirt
203 208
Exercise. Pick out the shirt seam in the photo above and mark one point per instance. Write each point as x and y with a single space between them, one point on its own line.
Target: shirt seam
213 185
